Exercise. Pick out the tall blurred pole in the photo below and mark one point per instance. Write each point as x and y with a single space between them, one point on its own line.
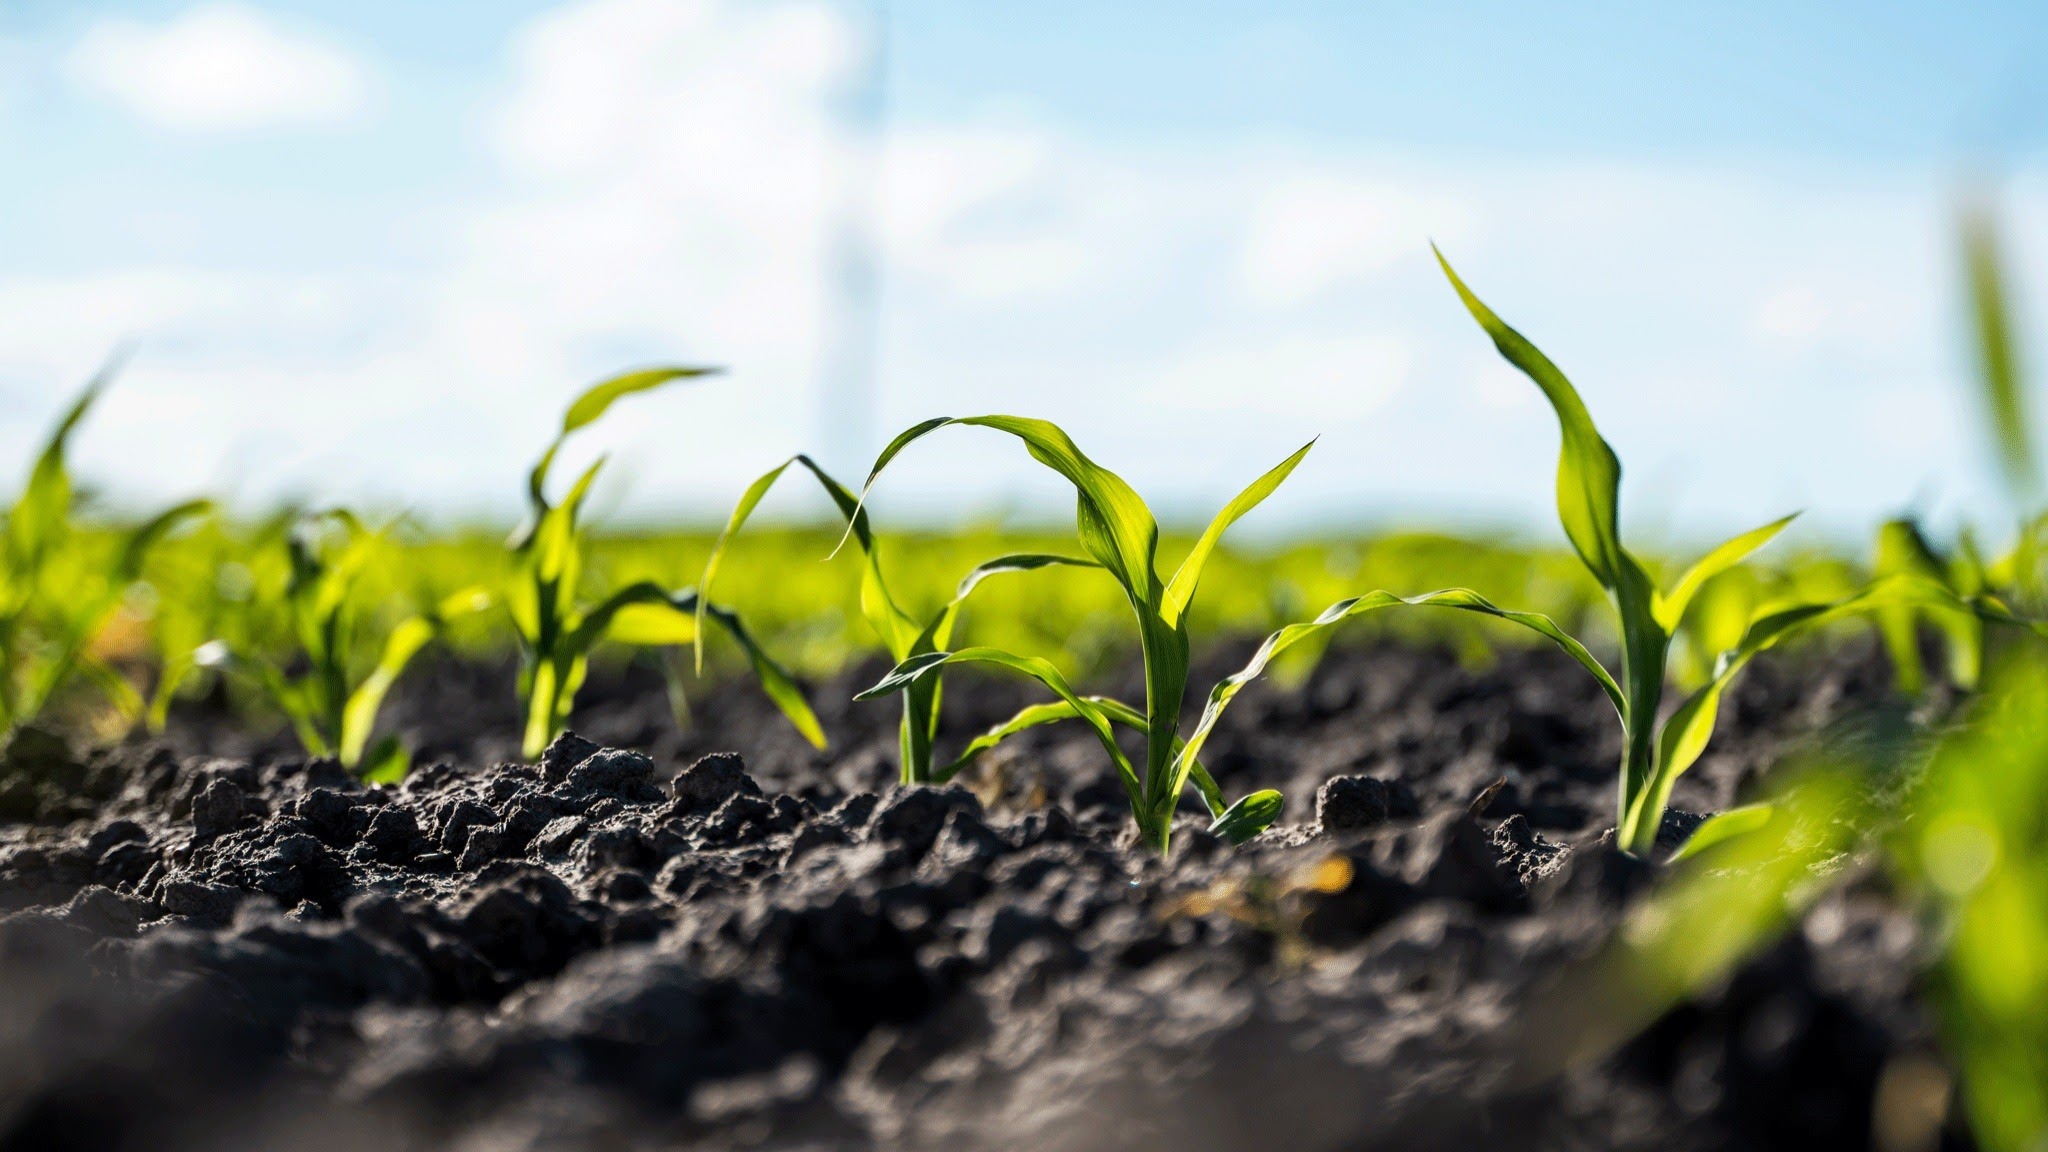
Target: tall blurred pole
852 315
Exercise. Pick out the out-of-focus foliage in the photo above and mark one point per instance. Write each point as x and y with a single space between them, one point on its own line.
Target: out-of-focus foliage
205 583
557 627
61 589
2016 576
333 678
1718 906
1974 849
1967 846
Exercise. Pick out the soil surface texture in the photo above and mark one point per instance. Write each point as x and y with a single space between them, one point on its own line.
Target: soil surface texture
720 938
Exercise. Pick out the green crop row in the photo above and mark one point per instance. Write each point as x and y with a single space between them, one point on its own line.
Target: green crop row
313 615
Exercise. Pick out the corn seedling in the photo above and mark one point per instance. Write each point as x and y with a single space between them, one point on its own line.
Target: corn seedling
1119 533
1902 549
207 593
1588 497
557 631
335 680
56 591
903 634
2003 404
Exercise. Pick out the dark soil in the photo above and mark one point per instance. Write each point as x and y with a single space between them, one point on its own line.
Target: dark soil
719 938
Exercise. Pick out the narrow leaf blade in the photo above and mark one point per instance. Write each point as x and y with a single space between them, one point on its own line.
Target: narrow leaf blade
1998 361
1588 472
1037 669
359 716
1671 609
1180 591
1460 598
1723 827
1249 816
598 398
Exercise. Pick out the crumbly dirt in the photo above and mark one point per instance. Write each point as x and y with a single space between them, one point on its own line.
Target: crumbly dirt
719 938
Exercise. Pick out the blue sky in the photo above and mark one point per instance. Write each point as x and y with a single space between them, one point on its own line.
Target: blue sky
369 248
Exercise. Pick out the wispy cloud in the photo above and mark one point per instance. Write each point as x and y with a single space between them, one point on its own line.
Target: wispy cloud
220 67
669 179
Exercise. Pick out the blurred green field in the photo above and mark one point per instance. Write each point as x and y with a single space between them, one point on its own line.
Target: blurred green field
224 580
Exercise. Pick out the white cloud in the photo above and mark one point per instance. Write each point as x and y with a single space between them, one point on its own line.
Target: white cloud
1313 231
675 182
1296 376
220 67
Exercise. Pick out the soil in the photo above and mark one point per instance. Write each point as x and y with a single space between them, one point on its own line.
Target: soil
720 938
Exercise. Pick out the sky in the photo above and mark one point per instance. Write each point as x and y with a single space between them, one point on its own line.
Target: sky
366 251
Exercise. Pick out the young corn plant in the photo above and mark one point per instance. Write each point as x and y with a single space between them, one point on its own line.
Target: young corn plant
1118 532
903 634
1903 549
336 679
2003 405
557 630
57 591
1588 492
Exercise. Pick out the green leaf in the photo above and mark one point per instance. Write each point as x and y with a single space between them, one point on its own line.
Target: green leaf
43 512
360 716
1903 549
1670 610
1723 827
900 677
582 412
1249 816
1460 598
1181 590
1212 795
1032 716
1685 735
599 397
1588 472
1119 532
464 602
387 763
938 633
774 679
1588 498
1115 526
1998 361
652 626
895 627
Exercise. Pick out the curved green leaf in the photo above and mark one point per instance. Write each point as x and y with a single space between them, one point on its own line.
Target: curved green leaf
1115 525
1998 361
43 511
1249 816
1181 589
136 548
895 627
599 397
1722 827
939 632
594 402
1460 598
900 677
1670 609
1588 472
360 716
775 680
